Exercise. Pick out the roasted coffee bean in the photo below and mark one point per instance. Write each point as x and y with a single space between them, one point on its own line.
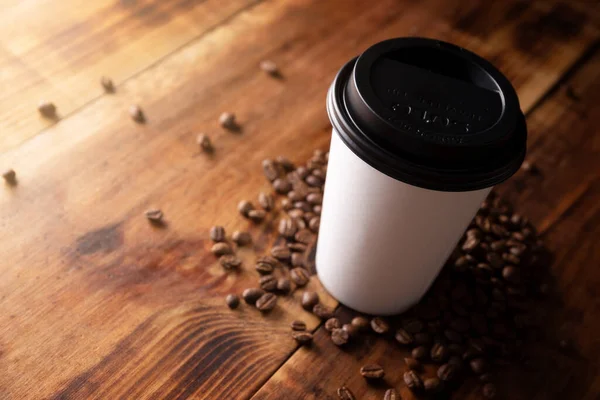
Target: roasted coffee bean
314 224
297 260
297 215
439 352
404 337
266 201
154 215
304 236
227 120
453 336
241 238
47 109
350 329
511 258
314 198
284 285
217 233
107 84
301 224
471 353
229 261
297 247
287 227
413 364
361 323
332 323
455 349
489 391
470 244
204 142
422 338
447 372
285 163
511 274
372 371
298 325
232 300
257 215
497 245
244 207
10 177
282 185
413 381
221 249
478 366
432 385
322 311
286 205
308 216
420 353
460 325
485 377
379 325
495 260
281 252
317 210
269 67
266 264
413 325
309 300
345 394
268 283
455 360
391 394
299 276
136 113
339 337
302 337
314 181
250 295
295 197
302 205
266 302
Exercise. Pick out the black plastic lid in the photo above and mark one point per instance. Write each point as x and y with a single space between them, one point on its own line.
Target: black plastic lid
430 114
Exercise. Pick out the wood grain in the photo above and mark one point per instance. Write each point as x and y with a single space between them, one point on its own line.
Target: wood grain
94 302
58 50
562 197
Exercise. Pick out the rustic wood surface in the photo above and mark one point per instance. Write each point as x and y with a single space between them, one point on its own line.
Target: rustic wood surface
96 303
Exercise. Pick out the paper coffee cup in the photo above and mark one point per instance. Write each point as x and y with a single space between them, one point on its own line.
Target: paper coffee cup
422 130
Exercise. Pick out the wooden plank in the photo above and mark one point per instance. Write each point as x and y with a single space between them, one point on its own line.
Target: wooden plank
563 198
58 50
125 310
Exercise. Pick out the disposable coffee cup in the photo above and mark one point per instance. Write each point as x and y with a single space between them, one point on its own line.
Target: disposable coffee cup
422 131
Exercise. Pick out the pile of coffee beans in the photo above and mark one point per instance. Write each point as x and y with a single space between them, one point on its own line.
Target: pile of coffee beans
474 318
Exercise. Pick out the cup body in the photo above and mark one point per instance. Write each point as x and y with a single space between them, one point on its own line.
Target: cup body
381 241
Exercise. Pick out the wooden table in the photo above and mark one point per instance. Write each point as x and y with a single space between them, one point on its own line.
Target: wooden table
94 303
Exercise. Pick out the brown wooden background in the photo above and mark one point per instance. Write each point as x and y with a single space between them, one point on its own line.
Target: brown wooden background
94 303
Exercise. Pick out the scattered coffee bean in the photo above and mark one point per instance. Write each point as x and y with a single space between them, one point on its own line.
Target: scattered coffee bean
391 394
204 142
527 166
221 248
299 276
304 236
250 295
244 207
47 109
298 325
420 353
284 285
322 311
286 205
266 201
372 371
317 210
295 197
266 302
270 170
302 337
10 177
350 329
489 391
232 300
285 163
485 377
257 215
439 353
282 252
314 181
107 84
432 385
478 366
413 381
413 325
413 364
379 325
301 225
282 185
230 261
511 274
227 120
298 260
297 215
345 394
314 198
339 337
268 283
314 224
217 233
404 337
332 323
154 215
447 372
297 247
264 268
361 323
241 238
269 67
309 300
136 113
453 336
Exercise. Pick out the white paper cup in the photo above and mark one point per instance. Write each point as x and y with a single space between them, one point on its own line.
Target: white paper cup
400 190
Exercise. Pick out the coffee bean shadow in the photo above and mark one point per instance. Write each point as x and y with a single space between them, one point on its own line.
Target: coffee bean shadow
235 128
